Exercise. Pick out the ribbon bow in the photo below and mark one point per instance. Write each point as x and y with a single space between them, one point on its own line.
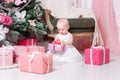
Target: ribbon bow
57 42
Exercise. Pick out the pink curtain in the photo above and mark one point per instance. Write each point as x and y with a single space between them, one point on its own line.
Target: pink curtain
105 16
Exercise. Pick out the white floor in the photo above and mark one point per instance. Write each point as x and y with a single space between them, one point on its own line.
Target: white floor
71 71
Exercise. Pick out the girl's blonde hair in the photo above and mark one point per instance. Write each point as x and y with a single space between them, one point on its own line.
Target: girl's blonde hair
63 21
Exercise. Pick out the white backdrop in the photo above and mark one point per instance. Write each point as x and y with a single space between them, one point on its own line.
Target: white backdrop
104 14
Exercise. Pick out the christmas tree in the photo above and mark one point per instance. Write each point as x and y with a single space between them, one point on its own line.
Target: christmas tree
23 17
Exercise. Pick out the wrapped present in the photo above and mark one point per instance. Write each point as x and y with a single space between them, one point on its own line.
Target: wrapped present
6 57
97 55
56 47
59 48
51 46
36 63
25 49
27 42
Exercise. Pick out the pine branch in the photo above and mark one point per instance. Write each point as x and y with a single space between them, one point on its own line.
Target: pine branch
6 9
25 5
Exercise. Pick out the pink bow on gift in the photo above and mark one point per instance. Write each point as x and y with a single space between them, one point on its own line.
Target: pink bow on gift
57 41
32 56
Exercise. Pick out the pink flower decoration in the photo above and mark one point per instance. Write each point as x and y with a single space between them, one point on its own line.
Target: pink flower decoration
6 20
5 30
18 2
1 15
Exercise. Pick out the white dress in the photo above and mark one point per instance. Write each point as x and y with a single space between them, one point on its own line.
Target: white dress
71 54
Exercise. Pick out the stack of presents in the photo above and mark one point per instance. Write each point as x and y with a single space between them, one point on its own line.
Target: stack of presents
28 56
33 58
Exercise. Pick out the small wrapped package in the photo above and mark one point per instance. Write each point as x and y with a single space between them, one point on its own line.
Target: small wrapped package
56 46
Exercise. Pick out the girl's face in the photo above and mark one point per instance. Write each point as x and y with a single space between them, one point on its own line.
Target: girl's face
62 29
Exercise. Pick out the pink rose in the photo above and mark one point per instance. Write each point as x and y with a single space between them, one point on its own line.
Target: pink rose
6 20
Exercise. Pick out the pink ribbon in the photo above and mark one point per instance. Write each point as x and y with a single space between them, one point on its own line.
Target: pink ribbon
31 57
98 47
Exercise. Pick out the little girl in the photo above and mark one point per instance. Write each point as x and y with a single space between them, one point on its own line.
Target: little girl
70 54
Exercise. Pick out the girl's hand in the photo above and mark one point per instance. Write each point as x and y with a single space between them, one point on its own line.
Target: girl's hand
62 43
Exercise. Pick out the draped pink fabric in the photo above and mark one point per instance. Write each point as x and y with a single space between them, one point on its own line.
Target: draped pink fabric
104 12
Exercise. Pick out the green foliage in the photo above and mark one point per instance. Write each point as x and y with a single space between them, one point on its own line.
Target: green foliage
22 24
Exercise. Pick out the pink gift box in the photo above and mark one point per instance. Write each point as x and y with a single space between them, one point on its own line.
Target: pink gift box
6 57
27 42
59 48
97 56
51 46
19 50
41 63
24 49
56 47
